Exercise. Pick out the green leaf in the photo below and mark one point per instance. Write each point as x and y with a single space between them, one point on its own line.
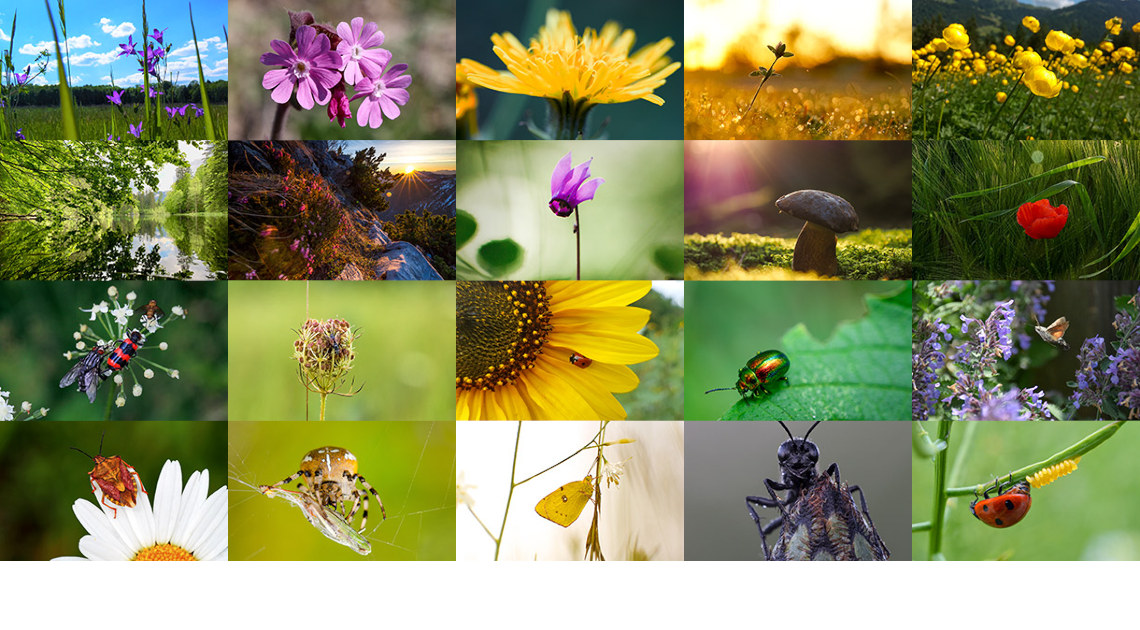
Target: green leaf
788 54
772 48
1071 165
670 259
500 257
861 373
757 73
202 82
465 228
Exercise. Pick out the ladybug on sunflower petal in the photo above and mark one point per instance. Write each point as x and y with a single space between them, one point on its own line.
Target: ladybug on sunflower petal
1007 508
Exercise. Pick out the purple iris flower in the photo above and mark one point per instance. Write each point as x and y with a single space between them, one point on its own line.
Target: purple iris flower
136 131
153 92
568 186
129 47
157 35
20 134
116 97
22 78
198 111
170 111
112 138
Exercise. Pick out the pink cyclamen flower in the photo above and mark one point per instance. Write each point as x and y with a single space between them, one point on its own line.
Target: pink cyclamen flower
312 69
568 186
360 58
381 95
338 106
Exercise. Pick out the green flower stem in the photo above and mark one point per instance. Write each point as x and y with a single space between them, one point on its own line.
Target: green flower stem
1008 97
578 242
920 527
1019 116
510 492
324 397
1048 266
568 117
938 516
762 82
1099 98
1093 440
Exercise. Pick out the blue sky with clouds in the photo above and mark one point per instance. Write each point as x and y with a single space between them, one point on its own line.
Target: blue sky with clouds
95 30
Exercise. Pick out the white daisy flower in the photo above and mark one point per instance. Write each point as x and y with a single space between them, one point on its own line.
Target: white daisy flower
122 315
183 525
95 309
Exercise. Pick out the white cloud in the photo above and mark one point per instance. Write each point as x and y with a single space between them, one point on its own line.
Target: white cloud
94 58
82 41
122 30
188 49
3 37
221 46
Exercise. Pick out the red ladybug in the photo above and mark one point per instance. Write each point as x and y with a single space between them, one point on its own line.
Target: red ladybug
1005 510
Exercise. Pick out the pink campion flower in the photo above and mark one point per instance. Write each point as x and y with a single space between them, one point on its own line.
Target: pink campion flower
338 106
359 62
381 95
312 69
568 186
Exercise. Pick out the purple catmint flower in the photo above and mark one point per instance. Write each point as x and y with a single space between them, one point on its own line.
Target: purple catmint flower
338 106
928 360
136 131
381 96
359 51
116 97
568 186
311 69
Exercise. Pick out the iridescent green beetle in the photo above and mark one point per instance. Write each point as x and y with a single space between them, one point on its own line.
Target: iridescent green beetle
765 367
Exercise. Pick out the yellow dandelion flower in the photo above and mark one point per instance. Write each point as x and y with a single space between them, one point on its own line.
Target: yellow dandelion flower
939 44
1031 23
1078 43
1136 27
1009 40
1001 96
1078 61
1113 25
595 67
956 36
1126 68
1042 82
554 350
1076 88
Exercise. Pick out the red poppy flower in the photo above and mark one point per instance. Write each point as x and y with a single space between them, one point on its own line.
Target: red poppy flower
1041 220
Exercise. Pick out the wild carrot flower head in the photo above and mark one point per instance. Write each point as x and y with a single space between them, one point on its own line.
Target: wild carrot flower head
1041 220
359 51
311 69
382 95
568 186
595 66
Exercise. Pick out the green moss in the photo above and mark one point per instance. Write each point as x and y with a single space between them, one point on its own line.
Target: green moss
865 255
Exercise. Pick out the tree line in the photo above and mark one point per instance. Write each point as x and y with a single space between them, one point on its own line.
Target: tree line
86 95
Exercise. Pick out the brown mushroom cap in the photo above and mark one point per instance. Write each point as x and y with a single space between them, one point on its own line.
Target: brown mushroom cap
823 208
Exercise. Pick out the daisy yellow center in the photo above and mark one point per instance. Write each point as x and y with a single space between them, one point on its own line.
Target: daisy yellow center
164 551
500 329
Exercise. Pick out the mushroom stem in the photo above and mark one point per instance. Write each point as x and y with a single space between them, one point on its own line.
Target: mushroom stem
815 250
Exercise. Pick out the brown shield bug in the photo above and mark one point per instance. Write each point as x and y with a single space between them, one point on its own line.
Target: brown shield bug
116 479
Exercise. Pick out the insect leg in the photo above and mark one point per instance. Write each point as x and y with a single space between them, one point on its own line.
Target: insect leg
368 487
286 481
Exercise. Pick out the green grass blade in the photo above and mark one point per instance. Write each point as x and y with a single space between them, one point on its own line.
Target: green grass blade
70 130
150 126
202 79
1044 194
1071 165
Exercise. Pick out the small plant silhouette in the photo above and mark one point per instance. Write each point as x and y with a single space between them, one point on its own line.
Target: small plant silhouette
780 51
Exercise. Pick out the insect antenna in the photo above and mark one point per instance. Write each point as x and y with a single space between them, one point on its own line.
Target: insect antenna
719 389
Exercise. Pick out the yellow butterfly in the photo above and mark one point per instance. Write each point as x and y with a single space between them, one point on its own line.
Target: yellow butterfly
565 505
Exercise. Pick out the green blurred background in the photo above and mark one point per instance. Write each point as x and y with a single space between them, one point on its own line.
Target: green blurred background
729 322
1084 516
657 397
727 461
405 356
410 464
631 230
500 114
38 319
42 477
420 33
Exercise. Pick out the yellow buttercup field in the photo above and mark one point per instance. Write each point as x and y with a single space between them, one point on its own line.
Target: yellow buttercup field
565 505
1039 82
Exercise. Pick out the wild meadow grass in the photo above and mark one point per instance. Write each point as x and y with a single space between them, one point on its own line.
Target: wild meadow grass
95 123
797 107
952 240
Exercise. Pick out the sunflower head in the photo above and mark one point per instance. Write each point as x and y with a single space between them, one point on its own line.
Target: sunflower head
595 67
520 349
